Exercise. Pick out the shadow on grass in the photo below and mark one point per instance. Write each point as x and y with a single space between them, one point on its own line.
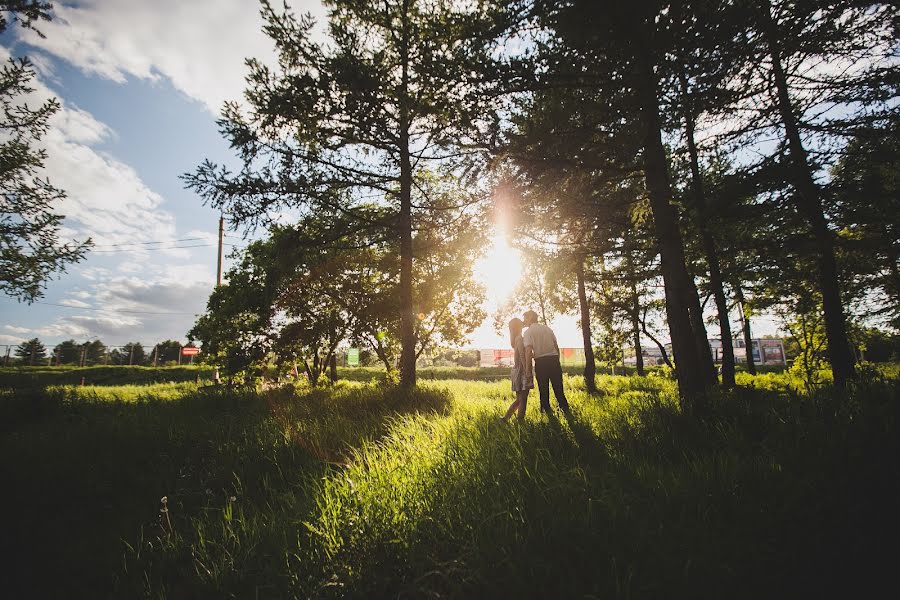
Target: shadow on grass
84 470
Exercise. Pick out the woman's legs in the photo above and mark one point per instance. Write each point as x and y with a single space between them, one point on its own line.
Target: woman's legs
522 401
512 407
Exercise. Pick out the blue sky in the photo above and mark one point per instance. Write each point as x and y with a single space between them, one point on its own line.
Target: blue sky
141 84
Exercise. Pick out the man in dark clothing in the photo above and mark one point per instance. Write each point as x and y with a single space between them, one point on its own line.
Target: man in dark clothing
540 344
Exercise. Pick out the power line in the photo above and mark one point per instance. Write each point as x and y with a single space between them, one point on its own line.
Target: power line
159 248
193 239
162 248
112 310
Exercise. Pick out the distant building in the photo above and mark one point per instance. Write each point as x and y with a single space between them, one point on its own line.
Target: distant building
765 351
493 357
651 355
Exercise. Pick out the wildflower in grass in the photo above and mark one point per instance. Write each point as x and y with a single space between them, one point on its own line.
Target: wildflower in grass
164 520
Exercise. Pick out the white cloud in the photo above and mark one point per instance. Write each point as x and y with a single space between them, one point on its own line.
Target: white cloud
15 329
107 199
200 46
10 339
74 303
160 304
62 329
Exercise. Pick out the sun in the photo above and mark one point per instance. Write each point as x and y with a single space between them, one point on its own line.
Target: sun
499 270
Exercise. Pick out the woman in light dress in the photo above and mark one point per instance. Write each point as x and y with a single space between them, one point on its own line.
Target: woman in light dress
521 376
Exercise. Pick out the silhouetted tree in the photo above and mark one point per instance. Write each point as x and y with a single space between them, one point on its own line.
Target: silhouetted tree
67 353
31 352
30 249
357 121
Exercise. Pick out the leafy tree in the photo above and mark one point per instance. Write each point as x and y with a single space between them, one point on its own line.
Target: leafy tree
30 249
95 353
877 345
808 333
598 81
355 121
68 353
168 351
131 353
814 72
298 298
866 206
31 352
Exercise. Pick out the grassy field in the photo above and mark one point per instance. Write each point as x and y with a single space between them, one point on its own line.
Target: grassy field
25 377
362 490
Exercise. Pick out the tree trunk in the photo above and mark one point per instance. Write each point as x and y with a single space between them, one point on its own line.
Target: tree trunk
407 314
635 308
590 368
809 203
332 365
745 325
709 245
636 331
690 371
698 327
659 345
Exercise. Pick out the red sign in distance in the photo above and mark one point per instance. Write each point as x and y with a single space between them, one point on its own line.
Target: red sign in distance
189 351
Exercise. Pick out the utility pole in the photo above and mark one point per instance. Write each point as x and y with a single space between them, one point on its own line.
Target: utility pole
221 244
155 350
8 349
83 353
131 356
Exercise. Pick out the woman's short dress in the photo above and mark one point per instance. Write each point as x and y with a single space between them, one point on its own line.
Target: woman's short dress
520 382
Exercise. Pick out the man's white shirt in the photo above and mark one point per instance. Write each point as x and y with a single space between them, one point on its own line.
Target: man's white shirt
542 339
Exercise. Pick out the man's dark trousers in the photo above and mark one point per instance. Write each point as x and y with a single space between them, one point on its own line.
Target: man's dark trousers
547 371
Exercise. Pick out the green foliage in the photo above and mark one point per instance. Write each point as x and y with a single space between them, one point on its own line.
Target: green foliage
67 353
167 352
295 297
31 352
808 333
877 345
866 198
95 353
131 353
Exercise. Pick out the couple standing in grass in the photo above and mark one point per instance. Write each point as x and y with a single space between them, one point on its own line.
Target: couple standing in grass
535 345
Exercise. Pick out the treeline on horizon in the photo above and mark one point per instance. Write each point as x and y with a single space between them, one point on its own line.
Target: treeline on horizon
649 159
33 352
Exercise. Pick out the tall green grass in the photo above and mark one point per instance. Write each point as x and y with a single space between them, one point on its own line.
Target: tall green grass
363 490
